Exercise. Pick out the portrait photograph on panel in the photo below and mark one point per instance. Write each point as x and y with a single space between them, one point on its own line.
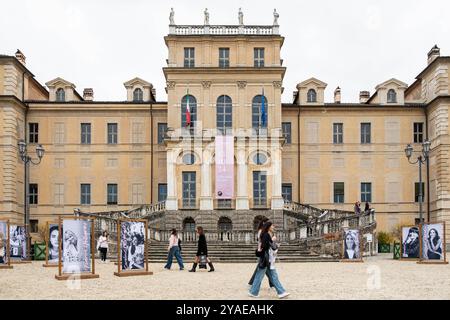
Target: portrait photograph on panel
17 242
76 246
410 242
132 245
53 243
433 242
352 245
3 242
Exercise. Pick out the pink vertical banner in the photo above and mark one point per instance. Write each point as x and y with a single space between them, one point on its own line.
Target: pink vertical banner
224 167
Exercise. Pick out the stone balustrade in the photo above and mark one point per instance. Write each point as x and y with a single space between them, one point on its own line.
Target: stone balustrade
183 30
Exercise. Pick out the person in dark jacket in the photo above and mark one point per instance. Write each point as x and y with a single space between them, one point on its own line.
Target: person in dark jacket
202 250
267 244
260 228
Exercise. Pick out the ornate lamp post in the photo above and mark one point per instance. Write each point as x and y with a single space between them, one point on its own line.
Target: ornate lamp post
422 158
27 160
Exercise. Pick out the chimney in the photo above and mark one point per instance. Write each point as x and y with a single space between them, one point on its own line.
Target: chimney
88 94
20 56
364 96
337 95
154 93
434 53
294 95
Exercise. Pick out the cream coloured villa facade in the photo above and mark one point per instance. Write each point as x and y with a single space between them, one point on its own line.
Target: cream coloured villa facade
116 155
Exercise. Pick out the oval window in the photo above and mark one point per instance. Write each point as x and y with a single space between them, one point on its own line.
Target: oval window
188 158
259 158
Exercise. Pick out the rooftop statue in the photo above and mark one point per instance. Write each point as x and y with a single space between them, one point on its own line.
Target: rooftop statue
206 17
171 17
241 17
275 17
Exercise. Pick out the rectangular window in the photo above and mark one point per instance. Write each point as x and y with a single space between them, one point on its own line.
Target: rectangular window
286 191
162 129
112 133
286 128
59 133
418 132
338 133
189 194
137 132
162 192
338 188
59 194
365 132
136 193
224 57
34 132
112 193
85 133
259 189
34 226
85 193
366 192
417 191
59 163
189 57
258 57
33 193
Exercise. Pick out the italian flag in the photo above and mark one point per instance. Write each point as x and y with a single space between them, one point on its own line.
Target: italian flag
188 111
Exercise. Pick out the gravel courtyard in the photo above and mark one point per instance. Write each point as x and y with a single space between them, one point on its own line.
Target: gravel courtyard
378 277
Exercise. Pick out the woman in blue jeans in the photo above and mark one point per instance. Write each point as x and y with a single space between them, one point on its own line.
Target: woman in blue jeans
267 243
174 250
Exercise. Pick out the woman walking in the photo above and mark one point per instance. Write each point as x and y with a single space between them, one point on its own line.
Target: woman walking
260 227
267 264
202 250
174 250
103 246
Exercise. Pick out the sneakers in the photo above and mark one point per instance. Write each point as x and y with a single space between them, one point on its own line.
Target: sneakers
283 295
252 295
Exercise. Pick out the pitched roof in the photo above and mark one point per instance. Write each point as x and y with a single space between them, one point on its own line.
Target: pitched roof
316 81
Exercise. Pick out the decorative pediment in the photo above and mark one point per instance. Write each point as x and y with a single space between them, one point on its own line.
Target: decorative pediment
59 82
392 82
137 82
312 82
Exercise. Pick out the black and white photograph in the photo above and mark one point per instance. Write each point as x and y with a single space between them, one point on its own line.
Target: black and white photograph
132 245
433 241
76 246
17 242
410 242
53 243
351 245
3 242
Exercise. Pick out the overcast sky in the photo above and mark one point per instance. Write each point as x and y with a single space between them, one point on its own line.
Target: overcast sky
355 44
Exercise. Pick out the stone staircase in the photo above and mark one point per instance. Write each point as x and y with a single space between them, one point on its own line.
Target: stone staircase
235 252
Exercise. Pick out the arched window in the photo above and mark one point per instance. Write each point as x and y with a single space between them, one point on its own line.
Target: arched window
224 224
224 114
259 158
138 95
192 102
312 95
60 95
189 224
259 118
188 158
391 96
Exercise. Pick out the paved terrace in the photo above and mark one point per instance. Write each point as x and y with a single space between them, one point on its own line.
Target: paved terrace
331 280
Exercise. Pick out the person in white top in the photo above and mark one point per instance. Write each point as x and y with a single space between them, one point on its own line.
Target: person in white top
102 245
174 250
